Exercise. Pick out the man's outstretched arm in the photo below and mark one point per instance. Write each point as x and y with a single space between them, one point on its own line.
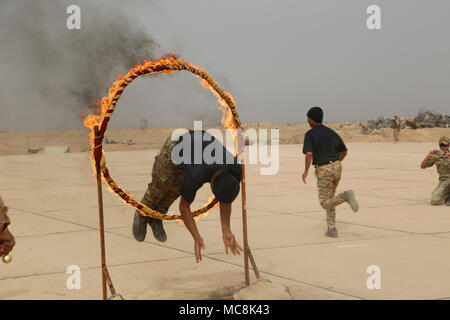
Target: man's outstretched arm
228 237
189 222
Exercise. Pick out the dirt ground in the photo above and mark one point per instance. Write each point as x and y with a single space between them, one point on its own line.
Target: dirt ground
23 142
53 208
397 229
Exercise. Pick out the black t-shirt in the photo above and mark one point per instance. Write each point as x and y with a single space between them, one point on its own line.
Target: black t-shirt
324 143
207 156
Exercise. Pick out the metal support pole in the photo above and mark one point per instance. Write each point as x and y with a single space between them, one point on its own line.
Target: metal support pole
100 214
247 252
252 260
244 226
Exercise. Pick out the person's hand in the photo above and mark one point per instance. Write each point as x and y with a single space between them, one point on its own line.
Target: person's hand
231 243
7 242
198 246
305 174
433 153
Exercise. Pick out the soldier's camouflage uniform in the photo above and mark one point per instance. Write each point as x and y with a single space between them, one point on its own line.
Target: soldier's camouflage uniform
167 177
396 125
442 192
328 177
4 220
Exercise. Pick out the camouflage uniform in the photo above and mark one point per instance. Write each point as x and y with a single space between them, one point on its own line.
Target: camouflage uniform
396 125
166 180
4 220
328 177
442 192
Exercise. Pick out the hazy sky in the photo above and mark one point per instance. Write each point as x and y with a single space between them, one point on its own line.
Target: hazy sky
277 58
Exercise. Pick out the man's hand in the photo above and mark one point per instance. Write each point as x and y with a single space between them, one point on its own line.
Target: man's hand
231 243
308 160
433 153
198 246
305 174
7 242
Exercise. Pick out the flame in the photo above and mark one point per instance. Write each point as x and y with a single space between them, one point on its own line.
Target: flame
227 116
97 117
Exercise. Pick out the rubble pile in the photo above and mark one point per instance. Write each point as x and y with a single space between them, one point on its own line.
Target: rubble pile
424 119
429 119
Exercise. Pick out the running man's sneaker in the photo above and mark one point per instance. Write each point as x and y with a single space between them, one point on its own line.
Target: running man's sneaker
349 196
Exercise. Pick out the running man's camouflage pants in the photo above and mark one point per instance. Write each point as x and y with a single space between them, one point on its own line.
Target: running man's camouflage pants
328 177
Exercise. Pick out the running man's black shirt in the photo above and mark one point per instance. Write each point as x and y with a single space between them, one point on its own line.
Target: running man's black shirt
197 174
324 143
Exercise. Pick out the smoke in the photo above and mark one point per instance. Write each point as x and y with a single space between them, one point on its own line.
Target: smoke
50 74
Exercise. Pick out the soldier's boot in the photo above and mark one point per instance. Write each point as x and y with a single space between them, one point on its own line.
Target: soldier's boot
158 230
448 201
139 227
349 197
332 233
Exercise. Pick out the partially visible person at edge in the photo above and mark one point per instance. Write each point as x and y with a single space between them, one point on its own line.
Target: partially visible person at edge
7 241
325 149
440 158
171 180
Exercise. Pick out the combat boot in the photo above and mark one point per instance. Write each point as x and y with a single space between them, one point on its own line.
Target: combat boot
349 197
332 233
157 227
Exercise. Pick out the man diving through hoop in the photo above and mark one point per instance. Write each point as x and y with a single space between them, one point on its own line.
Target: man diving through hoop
180 169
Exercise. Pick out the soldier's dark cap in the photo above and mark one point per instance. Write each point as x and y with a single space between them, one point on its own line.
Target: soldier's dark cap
225 187
316 114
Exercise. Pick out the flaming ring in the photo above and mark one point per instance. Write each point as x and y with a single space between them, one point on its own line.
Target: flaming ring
108 104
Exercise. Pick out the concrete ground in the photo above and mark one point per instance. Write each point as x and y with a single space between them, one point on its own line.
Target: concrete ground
53 207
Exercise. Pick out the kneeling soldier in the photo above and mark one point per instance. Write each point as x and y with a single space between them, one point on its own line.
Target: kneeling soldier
441 158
